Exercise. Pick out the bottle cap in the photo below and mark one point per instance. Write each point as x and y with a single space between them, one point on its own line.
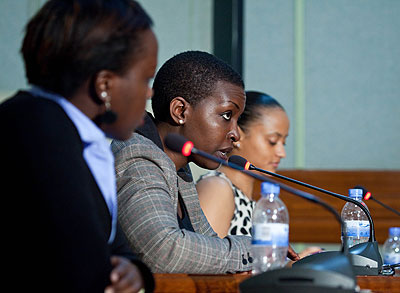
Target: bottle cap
355 193
268 188
394 231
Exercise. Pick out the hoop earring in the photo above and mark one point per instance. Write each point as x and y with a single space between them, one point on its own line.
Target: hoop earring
109 116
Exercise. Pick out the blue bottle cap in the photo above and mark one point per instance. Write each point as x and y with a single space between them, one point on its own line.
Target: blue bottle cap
394 231
268 188
355 193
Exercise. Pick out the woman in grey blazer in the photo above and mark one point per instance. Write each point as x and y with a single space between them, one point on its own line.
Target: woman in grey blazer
200 97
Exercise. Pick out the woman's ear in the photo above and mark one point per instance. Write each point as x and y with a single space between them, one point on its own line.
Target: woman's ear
103 95
102 82
100 86
237 144
178 110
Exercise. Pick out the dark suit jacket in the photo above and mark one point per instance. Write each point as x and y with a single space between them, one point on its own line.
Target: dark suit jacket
55 221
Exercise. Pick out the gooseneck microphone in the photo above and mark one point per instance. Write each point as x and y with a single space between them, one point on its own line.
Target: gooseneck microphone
368 196
333 270
240 161
366 257
180 144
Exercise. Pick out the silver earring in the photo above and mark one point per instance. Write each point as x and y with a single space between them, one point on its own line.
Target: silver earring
237 145
103 94
109 115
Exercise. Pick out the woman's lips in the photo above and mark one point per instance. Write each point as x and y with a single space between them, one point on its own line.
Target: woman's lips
223 154
275 164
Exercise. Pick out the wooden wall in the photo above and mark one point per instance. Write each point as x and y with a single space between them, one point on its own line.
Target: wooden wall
313 224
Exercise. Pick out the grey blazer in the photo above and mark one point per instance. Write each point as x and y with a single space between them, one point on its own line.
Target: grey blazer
148 186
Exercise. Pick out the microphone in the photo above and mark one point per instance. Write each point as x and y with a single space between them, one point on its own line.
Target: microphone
367 195
180 144
240 161
333 270
365 256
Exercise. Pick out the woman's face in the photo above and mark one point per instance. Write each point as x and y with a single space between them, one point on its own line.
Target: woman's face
130 91
212 125
263 144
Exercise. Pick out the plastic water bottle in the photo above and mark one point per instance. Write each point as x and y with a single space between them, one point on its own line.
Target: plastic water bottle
391 248
355 220
270 232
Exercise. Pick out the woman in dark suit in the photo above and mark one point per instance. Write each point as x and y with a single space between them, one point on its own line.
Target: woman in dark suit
89 63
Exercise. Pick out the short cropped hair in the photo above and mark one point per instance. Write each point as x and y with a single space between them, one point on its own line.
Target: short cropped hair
192 75
69 41
256 101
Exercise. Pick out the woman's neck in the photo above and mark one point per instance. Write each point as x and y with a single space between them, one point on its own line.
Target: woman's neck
242 181
163 130
85 103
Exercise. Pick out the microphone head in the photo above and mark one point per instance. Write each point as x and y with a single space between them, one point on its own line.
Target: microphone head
240 161
179 144
366 194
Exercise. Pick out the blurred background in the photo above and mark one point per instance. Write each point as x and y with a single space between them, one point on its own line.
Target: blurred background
333 64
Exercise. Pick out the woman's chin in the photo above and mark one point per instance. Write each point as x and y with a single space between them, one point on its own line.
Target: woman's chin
208 165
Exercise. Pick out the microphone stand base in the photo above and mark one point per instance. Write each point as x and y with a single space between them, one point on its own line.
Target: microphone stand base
334 261
366 259
299 280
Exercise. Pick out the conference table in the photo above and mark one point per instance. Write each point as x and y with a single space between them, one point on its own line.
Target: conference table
176 283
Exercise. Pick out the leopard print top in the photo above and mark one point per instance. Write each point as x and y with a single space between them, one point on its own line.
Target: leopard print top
241 220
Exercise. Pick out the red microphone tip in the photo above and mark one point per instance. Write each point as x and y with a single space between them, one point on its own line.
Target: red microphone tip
367 196
187 148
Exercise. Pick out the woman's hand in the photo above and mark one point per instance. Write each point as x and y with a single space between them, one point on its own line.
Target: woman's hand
310 250
306 252
292 254
125 277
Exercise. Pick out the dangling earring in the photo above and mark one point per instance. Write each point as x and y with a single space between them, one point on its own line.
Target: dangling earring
109 116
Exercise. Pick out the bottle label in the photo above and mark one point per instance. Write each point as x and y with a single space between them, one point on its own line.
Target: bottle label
357 228
391 258
270 234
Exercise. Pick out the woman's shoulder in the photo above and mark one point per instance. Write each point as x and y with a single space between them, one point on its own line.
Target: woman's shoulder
214 182
140 152
136 146
216 177
25 114
24 106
